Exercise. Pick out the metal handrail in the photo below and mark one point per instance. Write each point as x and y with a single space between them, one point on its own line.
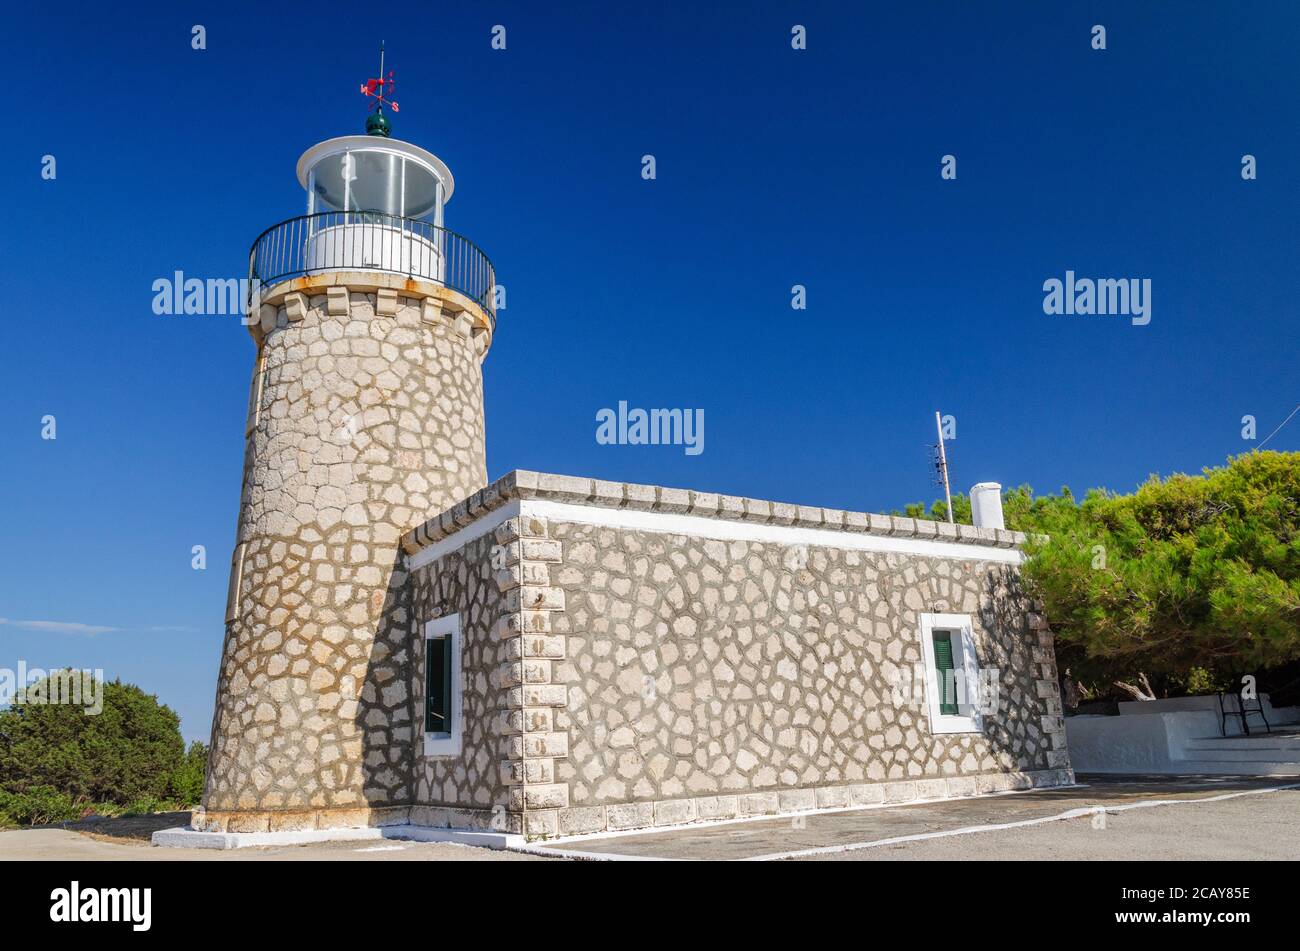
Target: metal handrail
372 241
1241 712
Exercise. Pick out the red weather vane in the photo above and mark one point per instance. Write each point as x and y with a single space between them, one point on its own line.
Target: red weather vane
381 89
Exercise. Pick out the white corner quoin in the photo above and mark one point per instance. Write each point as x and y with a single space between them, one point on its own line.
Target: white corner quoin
968 718
443 744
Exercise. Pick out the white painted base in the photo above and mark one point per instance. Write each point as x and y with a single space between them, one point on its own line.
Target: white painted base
1181 743
486 840
184 838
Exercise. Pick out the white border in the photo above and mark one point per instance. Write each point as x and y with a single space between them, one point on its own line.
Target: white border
457 540
702 527
959 624
442 744
740 530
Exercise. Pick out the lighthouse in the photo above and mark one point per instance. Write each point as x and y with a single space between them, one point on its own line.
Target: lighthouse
411 651
371 321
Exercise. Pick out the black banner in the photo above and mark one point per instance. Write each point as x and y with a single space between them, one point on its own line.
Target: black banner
271 895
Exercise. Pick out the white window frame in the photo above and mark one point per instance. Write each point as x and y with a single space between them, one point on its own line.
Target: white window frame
968 719
444 744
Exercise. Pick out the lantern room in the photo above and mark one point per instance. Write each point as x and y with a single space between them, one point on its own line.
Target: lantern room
375 203
373 173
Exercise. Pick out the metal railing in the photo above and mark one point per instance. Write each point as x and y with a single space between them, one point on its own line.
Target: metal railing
372 241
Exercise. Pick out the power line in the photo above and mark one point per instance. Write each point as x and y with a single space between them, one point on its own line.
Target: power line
1279 428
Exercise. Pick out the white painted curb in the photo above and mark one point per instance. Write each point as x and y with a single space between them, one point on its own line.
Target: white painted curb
183 838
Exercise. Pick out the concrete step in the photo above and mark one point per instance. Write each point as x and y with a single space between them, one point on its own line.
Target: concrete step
1266 754
1243 756
1245 747
1217 768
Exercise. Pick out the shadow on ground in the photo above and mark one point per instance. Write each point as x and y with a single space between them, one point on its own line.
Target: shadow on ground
140 827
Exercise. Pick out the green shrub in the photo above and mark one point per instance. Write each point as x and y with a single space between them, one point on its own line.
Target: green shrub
1193 580
57 761
186 784
37 805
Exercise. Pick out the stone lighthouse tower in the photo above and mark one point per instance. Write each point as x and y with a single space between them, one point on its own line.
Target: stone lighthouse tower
371 321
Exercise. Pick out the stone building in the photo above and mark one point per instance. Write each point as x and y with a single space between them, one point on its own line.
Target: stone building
407 644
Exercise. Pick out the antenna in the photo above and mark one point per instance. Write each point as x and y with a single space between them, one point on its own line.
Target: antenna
941 464
381 90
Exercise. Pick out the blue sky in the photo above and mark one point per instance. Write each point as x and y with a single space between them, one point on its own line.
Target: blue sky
775 167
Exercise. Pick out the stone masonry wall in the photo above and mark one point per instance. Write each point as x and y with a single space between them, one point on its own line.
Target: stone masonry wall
366 415
650 678
504 778
534 738
712 679
465 791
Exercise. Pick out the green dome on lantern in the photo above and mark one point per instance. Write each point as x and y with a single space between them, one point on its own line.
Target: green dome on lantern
377 124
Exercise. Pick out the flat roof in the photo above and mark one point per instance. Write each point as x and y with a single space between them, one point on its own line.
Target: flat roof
523 484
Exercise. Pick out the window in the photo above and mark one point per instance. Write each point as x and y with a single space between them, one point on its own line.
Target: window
442 696
437 685
952 674
946 673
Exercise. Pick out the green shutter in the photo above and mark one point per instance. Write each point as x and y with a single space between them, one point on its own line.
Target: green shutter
944 668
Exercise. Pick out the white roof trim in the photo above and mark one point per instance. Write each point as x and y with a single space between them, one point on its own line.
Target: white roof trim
702 527
708 506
